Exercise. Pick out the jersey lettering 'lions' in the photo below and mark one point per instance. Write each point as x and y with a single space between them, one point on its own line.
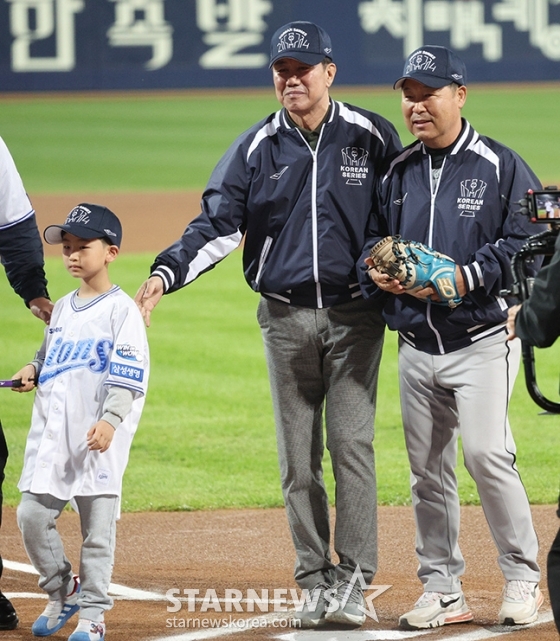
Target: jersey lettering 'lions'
66 355
88 349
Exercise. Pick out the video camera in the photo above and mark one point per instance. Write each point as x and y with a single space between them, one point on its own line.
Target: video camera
542 206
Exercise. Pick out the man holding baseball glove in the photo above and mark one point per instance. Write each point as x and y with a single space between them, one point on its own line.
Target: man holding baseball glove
298 188
21 253
441 244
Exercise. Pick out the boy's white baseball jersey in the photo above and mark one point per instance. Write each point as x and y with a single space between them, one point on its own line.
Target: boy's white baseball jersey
88 348
14 202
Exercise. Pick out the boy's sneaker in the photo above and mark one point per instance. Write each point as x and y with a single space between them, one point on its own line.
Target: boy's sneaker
347 605
87 630
315 609
434 609
8 616
522 600
57 612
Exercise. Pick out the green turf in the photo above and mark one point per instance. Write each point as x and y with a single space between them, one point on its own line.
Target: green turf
206 439
207 435
138 142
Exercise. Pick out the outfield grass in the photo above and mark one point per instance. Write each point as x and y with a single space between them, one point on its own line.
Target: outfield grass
138 142
207 434
206 439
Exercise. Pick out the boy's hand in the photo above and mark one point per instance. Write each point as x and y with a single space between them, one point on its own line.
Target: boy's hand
27 376
100 436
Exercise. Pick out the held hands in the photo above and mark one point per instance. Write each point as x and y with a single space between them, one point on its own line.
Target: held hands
42 308
393 286
100 436
27 376
512 314
148 296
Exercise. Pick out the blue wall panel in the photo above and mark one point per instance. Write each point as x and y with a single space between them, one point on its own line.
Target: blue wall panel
145 44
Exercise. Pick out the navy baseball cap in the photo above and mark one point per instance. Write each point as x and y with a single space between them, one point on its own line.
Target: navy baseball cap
434 67
304 41
87 221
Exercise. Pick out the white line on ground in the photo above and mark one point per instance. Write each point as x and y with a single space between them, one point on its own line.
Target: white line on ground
122 592
115 589
353 635
498 630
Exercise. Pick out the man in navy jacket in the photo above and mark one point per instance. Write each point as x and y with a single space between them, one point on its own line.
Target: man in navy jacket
298 188
537 322
21 253
458 192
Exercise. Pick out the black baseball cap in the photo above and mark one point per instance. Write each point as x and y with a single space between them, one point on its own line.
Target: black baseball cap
433 66
87 221
304 41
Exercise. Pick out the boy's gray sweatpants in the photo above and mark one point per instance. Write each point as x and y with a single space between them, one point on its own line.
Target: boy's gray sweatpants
37 515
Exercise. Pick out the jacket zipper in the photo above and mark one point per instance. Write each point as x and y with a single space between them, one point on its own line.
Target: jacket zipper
433 194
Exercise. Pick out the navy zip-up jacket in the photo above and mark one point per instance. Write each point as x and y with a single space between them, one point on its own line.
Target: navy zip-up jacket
473 217
21 249
303 213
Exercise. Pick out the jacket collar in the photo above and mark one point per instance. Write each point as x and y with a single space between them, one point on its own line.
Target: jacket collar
288 123
466 138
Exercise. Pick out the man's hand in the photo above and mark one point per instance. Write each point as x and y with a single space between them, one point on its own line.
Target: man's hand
42 308
512 314
148 296
27 376
100 436
393 286
384 281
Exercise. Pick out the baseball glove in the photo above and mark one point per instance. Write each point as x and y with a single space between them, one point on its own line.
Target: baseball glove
417 266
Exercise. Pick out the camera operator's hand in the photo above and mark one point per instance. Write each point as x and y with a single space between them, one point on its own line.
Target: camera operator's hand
512 314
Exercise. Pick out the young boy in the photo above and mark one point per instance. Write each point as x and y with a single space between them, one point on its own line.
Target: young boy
92 374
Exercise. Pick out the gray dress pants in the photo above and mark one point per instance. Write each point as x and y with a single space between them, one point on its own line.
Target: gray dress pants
323 366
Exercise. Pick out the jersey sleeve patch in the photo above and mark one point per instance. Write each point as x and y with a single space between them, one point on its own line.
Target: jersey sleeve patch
127 371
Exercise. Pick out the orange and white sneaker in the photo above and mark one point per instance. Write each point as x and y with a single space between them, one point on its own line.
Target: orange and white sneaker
434 609
521 603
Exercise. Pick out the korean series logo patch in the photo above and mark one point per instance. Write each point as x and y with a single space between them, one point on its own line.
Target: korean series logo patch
353 166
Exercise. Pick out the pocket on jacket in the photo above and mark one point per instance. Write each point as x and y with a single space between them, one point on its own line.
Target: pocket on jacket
262 260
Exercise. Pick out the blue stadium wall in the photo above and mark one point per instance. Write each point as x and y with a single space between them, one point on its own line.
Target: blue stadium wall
48 45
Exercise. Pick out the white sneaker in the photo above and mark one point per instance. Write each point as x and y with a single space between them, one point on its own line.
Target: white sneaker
434 609
522 600
88 631
57 612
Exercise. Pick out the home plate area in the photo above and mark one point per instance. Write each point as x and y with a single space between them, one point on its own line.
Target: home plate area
192 575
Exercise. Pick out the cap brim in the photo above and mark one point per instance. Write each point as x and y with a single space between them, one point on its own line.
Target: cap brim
53 233
424 78
307 58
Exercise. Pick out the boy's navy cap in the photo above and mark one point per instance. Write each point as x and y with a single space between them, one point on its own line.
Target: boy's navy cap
434 67
87 221
304 41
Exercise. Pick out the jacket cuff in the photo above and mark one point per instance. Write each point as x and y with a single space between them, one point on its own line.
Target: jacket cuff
166 275
472 275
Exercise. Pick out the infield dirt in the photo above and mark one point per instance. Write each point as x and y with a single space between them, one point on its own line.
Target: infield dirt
246 549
